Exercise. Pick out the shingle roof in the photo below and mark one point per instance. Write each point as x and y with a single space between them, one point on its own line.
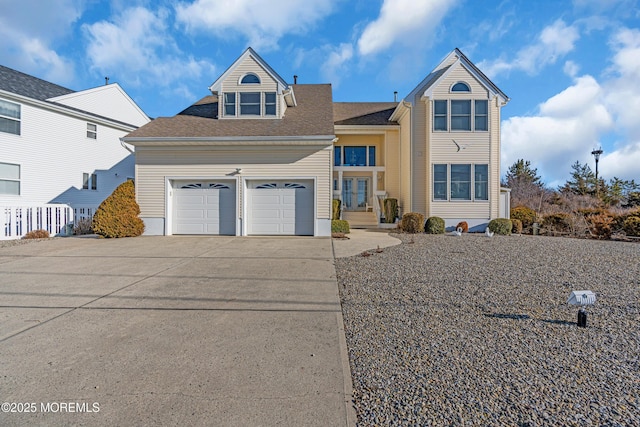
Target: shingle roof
363 113
312 116
23 84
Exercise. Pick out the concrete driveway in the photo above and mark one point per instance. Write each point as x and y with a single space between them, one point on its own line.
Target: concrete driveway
172 331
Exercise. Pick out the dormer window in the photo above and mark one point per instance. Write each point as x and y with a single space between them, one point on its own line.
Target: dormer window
249 103
460 87
230 104
250 79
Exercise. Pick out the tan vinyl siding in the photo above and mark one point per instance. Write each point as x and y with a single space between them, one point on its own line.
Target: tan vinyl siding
405 162
231 83
460 74
470 210
154 165
392 164
418 155
476 148
494 164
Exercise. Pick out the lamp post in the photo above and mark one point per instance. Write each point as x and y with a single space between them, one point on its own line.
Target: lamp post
596 154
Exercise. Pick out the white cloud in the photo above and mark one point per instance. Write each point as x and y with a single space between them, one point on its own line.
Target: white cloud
584 116
336 65
136 48
553 42
566 128
571 69
402 21
263 23
30 29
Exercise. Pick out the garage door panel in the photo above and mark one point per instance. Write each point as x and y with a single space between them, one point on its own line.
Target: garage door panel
278 211
204 211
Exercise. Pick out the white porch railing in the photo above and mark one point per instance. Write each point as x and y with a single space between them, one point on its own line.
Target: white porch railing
16 221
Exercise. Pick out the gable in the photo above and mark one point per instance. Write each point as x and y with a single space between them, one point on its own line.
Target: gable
249 67
108 101
458 73
249 61
456 66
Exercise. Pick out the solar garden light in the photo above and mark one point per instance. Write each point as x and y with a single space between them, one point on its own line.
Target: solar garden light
582 298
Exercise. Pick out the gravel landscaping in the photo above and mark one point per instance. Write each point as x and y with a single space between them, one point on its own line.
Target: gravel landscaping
471 330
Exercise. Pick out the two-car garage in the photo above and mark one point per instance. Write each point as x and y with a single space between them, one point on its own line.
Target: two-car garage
271 207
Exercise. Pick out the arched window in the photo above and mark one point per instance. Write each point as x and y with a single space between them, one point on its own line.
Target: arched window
250 79
460 87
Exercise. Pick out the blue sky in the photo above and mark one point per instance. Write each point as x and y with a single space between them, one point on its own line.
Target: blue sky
571 68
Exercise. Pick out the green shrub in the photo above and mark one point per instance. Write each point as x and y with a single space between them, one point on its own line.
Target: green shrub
117 215
464 226
412 222
36 234
336 206
340 226
631 226
501 226
526 215
516 226
390 210
434 225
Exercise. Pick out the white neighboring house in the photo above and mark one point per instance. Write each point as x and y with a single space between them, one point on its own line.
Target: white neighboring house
62 146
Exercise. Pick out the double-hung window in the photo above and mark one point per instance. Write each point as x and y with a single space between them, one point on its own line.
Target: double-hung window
249 103
460 115
460 182
440 178
270 104
10 179
440 115
229 104
465 115
92 131
481 121
455 182
481 179
89 181
9 117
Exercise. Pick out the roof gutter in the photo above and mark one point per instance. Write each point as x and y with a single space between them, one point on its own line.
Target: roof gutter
125 146
231 140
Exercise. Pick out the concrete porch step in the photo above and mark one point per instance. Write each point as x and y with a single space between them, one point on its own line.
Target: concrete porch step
361 219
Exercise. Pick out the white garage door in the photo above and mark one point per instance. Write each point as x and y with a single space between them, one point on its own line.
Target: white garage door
204 208
280 208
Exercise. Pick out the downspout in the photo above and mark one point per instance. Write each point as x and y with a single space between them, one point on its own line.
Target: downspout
125 146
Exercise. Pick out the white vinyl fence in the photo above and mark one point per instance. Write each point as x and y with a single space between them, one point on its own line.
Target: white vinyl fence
57 219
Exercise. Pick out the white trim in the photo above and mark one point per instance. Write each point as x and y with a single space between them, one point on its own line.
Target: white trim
365 129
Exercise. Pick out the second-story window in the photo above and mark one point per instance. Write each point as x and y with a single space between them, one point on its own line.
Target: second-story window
250 103
355 156
92 131
9 117
270 104
229 104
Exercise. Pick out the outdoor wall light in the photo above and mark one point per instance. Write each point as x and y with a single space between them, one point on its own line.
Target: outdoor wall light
582 298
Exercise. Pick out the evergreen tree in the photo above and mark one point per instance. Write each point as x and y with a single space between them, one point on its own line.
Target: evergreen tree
582 182
526 186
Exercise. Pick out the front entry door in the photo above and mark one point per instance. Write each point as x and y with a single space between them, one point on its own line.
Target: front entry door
355 193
